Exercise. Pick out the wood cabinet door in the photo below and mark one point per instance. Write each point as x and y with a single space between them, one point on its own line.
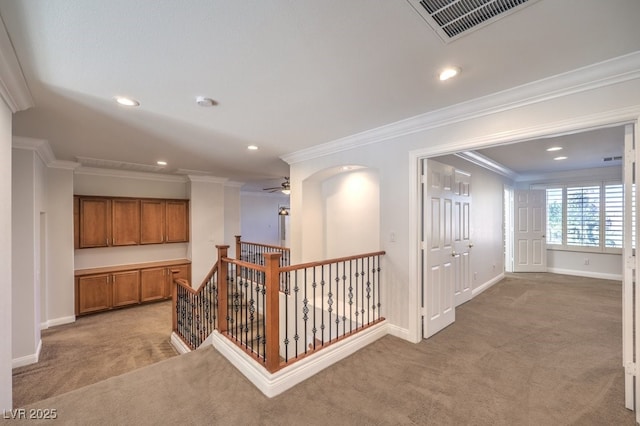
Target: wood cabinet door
126 288
153 284
177 221
181 272
152 221
95 226
94 293
125 228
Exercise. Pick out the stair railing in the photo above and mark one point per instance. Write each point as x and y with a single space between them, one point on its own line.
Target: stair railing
278 315
195 311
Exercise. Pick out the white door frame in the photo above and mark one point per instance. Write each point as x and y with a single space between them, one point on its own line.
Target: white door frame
574 125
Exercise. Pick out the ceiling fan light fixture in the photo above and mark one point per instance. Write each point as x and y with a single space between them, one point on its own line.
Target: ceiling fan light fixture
286 191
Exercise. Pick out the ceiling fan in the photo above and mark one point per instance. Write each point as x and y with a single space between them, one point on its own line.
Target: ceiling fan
284 187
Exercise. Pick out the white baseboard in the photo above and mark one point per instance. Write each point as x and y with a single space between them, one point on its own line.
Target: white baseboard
588 274
400 332
57 321
487 285
274 384
178 344
27 359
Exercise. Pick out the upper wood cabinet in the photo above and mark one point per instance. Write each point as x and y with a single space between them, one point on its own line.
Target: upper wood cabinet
152 221
177 221
106 222
95 222
125 223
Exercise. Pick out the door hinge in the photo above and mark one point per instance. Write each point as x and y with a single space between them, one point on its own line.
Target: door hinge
630 369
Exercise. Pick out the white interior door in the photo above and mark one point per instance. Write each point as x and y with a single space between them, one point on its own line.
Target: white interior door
631 263
462 243
529 244
437 249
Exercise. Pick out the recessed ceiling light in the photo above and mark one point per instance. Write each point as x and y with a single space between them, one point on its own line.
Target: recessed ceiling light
123 100
554 148
161 163
203 101
448 73
560 158
252 148
346 168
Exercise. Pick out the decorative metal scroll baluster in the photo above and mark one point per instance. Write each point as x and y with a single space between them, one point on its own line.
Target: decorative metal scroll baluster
196 312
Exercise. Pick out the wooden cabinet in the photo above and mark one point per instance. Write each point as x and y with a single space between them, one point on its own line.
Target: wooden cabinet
155 283
93 293
108 222
95 222
102 289
177 221
125 288
152 221
125 223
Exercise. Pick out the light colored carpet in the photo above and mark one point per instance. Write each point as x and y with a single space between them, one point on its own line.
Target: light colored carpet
95 348
538 349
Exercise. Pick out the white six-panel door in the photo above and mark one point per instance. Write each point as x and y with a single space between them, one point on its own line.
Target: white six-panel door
529 228
446 212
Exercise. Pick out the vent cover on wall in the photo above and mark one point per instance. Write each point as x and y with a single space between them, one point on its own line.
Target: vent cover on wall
452 19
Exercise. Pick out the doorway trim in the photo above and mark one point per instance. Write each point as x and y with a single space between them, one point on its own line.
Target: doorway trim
612 118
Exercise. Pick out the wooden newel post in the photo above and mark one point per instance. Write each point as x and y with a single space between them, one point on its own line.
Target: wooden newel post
238 248
223 298
272 283
174 304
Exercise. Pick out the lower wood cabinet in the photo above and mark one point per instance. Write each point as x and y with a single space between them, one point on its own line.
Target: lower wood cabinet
101 289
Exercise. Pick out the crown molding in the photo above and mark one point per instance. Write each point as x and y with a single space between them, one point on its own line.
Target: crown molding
606 73
13 86
94 171
206 179
487 163
234 184
40 146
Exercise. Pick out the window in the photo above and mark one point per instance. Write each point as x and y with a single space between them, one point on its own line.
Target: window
554 216
586 217
614 215
583 216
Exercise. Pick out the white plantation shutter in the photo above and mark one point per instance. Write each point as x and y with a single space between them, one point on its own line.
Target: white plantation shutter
583 216
554 216
614 215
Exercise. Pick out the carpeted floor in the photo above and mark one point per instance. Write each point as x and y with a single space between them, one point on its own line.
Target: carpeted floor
535 349
95 348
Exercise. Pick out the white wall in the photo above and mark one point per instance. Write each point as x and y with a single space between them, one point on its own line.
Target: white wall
232 208
27 204
395 157
207 225
6 398
351 214
259 218
58 285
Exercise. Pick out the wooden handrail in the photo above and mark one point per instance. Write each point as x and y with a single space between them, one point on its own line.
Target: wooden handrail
238 241
329 261
244 264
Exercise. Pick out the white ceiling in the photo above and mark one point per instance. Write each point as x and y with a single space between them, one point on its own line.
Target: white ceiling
287 74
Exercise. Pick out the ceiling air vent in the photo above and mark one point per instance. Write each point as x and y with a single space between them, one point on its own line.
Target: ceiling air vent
452 19
616 158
